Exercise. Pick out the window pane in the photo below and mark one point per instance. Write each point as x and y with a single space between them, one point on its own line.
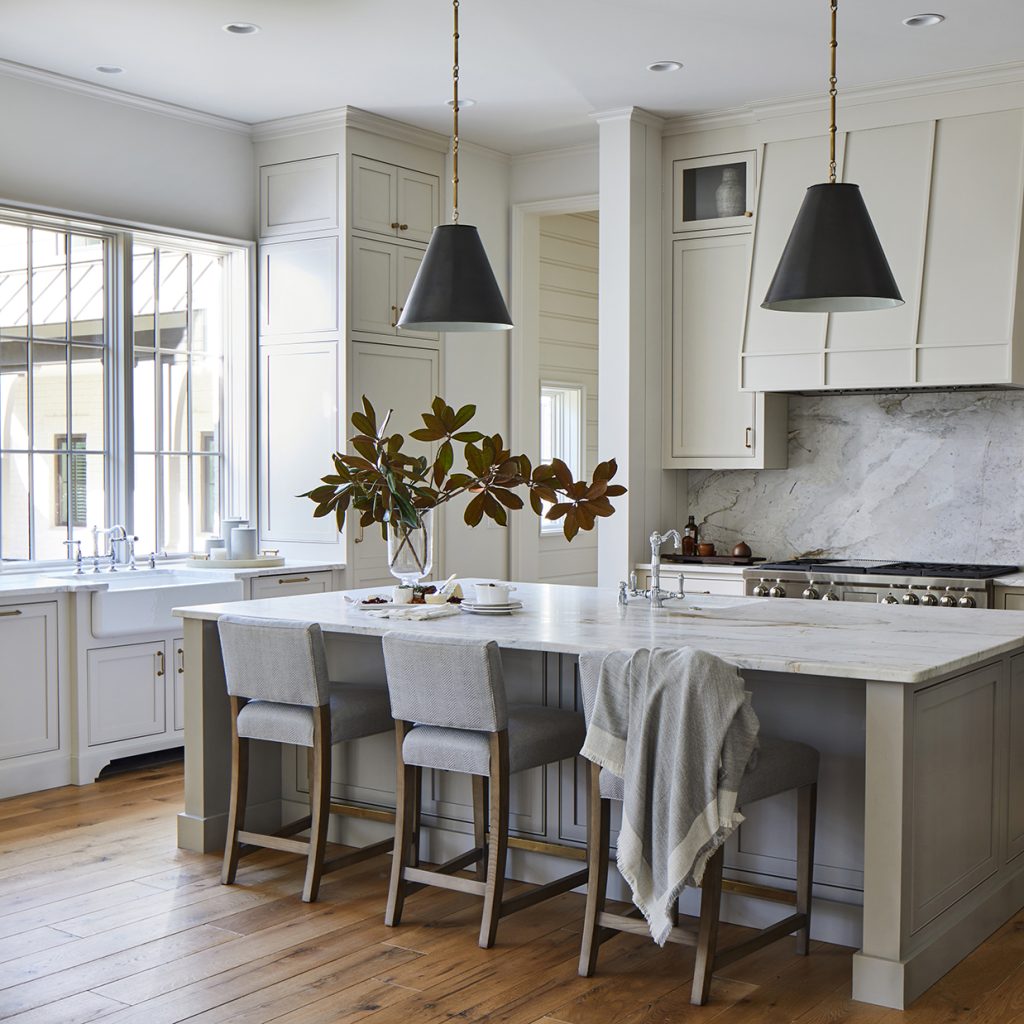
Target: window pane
208 314
13 280
144 400
49 392
173 281
49 506
88 289
14 507
49 284
206 393
88 398
143 277
13 395
205 498
174 403
144 509
175 504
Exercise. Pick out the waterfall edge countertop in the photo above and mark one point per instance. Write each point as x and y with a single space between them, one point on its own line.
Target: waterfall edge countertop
839 640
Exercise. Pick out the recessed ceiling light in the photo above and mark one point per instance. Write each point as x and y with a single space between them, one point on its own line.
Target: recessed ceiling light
109 69
923 20
665 65
463 103
241 28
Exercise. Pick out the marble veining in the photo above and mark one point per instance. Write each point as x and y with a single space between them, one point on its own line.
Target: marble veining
929 477
840 640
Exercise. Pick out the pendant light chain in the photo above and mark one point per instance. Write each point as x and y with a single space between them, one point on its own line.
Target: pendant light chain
832 92
455 113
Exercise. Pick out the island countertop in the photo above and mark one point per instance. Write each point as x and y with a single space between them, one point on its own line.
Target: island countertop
830 639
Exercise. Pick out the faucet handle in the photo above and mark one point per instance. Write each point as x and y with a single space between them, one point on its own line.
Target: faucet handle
632 581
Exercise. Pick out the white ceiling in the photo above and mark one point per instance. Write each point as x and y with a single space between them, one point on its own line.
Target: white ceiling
537 68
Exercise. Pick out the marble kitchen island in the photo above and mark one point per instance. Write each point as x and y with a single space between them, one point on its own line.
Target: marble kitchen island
918 714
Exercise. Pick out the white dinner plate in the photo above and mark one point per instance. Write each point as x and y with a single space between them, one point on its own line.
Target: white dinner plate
490 609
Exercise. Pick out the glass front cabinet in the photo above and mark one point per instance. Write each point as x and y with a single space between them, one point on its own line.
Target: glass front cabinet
713 192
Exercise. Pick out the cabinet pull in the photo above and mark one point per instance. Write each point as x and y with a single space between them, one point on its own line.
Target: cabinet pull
403 227
394 316
748 438
181 661
748 213
395 225
160 663
13 611
294 579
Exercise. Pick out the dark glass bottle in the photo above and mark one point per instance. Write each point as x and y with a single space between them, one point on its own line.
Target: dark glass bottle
690 537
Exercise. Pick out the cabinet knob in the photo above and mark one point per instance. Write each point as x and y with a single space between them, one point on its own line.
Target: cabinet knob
395 225
748 213
403 227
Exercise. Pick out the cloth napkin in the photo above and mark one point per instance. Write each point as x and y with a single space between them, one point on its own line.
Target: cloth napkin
414 612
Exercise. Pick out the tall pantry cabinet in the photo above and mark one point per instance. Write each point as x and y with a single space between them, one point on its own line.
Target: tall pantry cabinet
346 211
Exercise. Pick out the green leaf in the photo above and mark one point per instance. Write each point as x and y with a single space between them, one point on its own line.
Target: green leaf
371 414
394 445
475 510
468 436
423 434
438 405
434 423
494 510
464 415
363 424
446 456
365 447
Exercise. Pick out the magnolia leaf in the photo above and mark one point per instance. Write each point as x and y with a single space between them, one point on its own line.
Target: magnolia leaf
585 517
536 504
475 510
570 527
560 509
394 445
423 434
475 460
547 493
371 414
468 436
604 471
463 416
615 490
447 417
438 405
597 489
507 498
494 510
365 447
363 425
562 473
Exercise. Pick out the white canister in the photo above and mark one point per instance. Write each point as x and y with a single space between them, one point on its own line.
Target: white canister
226 526
492 593
243 543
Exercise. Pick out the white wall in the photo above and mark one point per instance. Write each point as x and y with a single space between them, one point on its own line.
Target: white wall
555 174
88 155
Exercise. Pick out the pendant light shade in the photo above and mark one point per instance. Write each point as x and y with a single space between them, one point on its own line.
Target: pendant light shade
455 289
833 261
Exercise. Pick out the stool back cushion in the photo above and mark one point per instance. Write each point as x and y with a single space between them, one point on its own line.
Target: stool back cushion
456 684
280 661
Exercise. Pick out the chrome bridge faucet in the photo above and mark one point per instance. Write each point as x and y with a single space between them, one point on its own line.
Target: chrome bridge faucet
654 594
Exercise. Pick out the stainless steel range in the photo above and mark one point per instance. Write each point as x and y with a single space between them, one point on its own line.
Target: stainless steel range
928 584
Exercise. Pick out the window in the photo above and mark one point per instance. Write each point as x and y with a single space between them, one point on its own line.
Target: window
561 431
84 444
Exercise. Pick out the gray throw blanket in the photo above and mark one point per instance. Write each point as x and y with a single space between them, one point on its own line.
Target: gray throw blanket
677 726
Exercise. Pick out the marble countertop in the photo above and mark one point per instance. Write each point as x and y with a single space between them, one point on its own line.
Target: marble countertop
839 639
697 567
1010 581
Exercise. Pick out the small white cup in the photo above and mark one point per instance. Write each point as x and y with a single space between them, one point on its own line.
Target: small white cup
493 593
401 595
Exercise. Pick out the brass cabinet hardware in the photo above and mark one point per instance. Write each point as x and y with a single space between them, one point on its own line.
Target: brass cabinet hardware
748 213
748 438
181 661
160 662
394 316
394 225
403 227
13 611
294 579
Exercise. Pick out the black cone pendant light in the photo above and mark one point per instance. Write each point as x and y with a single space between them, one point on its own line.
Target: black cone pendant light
455 289
833 261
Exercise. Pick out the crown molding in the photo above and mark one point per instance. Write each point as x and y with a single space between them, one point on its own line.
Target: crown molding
348 117
637 114
486 152
1009 73
584 149
12 69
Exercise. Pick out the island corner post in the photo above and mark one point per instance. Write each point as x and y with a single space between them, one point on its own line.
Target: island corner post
921 797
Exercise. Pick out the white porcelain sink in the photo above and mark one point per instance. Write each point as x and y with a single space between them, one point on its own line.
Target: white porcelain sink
142 601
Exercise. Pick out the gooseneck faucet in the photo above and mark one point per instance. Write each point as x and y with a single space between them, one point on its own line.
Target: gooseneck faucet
657 539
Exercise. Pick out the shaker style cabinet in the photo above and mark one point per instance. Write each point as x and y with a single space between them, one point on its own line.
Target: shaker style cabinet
126 692
382 276
299 287
28 698
299 196
710 423
713 192
395 201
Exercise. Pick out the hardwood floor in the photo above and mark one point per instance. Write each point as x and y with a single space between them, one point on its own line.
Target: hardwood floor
102 918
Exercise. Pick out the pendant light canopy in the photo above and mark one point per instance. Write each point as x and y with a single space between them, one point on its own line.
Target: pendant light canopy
833 261
455 288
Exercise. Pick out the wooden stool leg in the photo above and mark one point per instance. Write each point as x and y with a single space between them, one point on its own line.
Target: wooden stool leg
480 822
405 828
598 840
320 803
807 804
497 847
239 793
417 814
707 936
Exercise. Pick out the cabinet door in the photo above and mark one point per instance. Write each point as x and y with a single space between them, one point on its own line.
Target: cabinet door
710 416
409 260
713 191
374 286
374 196
418 204
126 692
300 421
406 381
299 286
290 584
967 299
178 676
299 196
28 679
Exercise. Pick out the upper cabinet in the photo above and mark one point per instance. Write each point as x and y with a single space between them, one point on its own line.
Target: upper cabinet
946 199
713 192
299 287
394 201
299 196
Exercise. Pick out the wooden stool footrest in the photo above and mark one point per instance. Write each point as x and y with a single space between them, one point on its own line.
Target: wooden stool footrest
300 846
637 925
543 892
358 856
765 937
425 877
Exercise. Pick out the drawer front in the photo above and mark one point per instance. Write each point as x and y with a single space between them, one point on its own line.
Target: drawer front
289 584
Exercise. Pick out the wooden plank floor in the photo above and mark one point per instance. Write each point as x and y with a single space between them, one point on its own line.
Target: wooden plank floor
102 918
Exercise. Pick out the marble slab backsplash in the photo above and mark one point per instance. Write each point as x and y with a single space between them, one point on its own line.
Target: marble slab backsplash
928 477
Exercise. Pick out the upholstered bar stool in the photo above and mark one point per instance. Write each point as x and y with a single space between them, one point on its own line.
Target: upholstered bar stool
781 765
276 673
448 699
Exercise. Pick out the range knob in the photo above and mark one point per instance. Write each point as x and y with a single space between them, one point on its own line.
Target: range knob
929 599
810 593
948 600
778 590
830 594
890 599
911 598
967 601
760 590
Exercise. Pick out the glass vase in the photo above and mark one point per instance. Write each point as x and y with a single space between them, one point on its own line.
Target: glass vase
411 549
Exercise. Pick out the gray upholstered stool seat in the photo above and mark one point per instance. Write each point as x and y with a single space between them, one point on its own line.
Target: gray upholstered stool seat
357 709
781 765
536 736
